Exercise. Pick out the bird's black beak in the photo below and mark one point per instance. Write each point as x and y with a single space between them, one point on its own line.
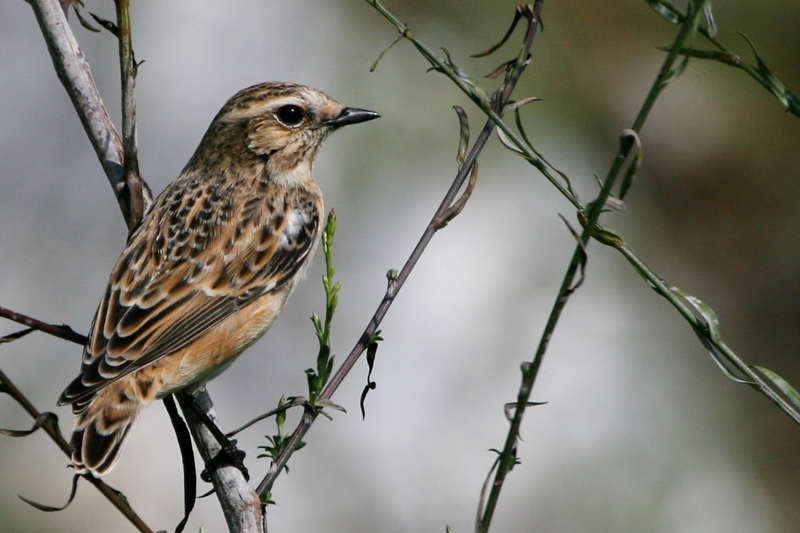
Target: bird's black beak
351 115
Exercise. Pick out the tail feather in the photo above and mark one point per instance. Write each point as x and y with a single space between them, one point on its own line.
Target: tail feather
103 427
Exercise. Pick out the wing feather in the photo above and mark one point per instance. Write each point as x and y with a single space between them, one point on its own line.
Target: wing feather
187 270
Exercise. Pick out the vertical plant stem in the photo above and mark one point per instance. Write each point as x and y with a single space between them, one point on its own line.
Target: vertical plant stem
530 370
128 66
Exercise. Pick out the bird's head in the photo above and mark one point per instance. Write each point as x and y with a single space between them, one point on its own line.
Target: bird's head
282 124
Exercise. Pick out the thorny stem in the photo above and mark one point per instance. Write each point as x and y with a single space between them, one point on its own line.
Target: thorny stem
396 284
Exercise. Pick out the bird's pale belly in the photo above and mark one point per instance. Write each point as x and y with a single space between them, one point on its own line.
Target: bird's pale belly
208 356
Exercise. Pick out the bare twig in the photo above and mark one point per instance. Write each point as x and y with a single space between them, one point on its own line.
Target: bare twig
63 331
292 402
140 196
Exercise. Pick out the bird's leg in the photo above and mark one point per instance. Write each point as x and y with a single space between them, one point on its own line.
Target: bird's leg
229 454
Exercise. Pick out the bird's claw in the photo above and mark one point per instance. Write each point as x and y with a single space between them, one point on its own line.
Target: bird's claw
229 455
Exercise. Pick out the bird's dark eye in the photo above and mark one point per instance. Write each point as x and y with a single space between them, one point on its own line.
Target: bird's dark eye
290 115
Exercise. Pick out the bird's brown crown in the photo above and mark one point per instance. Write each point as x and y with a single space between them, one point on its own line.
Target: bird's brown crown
281 125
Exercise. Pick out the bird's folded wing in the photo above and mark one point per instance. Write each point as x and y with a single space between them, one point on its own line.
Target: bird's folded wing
160 300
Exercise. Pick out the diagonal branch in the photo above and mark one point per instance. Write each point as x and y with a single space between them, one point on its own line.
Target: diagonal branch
449 203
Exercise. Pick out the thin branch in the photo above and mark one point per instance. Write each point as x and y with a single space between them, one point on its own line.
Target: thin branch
761 73
63 331
628 141
711 341
603 235
530 370
140 196
496 105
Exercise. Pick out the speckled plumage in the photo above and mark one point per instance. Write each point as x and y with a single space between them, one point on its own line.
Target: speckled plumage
210 266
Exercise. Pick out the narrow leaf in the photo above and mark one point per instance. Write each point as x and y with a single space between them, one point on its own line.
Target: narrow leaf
710 24
517 16
662 9
519 103
773 84
463 136
50 509
44 418
729 58
16 335
709 334
380 56
583 258
633 168
107 24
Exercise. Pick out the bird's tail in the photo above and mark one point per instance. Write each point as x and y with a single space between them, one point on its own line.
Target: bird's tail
103 427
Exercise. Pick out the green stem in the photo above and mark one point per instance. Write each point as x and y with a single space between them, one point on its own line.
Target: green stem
753 379
530 371
667 72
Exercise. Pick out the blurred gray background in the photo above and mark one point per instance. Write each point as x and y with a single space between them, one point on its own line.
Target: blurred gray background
642 433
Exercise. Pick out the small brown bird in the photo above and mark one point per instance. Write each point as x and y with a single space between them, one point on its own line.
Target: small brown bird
211 265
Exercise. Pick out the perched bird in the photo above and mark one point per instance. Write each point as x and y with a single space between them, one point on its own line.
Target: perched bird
210 266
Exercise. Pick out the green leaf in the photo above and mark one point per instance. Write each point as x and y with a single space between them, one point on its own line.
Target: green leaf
630 174
606 236
710 24
772 83
508 143
463 135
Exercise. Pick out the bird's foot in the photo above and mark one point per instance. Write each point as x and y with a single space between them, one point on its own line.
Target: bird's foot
229 455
